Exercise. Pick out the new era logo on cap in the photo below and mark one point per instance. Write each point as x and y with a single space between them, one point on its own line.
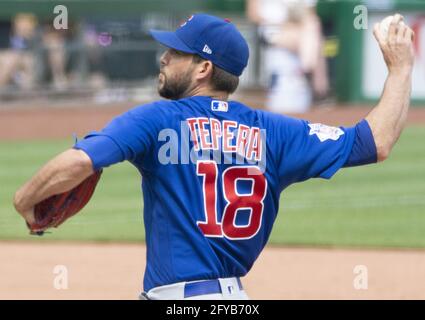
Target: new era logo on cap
207 49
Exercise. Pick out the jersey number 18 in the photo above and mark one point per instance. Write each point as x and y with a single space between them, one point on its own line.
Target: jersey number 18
235 201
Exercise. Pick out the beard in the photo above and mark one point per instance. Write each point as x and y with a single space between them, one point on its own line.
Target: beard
174 88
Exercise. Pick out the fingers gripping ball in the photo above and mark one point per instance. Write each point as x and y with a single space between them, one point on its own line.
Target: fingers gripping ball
384 25
54 211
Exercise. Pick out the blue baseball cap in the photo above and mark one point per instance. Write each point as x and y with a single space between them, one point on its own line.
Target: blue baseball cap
212 38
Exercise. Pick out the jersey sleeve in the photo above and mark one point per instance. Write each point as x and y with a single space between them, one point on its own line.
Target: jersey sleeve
364 147
309 150
126 137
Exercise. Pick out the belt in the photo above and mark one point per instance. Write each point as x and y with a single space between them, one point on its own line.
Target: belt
198 288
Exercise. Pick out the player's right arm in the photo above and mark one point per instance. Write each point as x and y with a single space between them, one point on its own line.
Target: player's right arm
388 118
125 138
60 174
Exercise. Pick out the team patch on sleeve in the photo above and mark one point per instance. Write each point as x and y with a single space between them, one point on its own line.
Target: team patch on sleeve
324 132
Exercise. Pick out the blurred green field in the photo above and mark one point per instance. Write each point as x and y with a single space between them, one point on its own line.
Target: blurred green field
373 206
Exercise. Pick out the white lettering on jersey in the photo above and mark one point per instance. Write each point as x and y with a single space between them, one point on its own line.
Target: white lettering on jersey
227 136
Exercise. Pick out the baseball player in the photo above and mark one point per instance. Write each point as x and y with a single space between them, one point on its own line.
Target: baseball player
213 169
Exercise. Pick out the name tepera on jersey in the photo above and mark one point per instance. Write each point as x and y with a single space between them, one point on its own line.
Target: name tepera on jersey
227 136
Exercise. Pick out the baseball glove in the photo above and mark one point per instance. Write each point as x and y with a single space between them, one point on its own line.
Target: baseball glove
54 211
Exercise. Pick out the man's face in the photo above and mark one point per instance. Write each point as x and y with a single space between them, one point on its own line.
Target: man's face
175 77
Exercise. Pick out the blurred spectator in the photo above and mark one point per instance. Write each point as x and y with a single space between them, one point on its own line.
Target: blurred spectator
291 33
54 42
74 56
5 32
94 41
17 60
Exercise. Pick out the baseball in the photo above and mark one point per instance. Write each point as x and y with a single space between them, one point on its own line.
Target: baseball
385 25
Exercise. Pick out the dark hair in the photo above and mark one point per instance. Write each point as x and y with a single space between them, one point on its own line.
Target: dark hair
221 80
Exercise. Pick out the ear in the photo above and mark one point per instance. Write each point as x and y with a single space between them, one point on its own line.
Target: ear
204 70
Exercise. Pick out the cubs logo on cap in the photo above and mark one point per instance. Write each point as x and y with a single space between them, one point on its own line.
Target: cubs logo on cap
188 20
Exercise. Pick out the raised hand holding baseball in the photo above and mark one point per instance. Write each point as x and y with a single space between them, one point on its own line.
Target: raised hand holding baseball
395 39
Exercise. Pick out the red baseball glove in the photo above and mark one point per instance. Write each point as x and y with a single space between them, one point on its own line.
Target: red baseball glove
54 211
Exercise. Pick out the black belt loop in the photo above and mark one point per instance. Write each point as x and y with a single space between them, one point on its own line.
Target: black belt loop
144 296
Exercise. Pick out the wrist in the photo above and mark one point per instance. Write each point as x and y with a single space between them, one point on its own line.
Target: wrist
403 72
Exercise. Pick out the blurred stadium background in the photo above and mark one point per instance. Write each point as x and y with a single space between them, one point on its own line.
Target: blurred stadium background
111 65
56 83
108 55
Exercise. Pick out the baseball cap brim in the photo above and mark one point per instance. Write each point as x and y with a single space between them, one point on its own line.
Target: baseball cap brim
170 40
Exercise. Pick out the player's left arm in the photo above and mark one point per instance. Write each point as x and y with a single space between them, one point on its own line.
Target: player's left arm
388 118
62 173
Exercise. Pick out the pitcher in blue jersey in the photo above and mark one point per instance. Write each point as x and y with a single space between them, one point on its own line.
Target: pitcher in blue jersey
213 169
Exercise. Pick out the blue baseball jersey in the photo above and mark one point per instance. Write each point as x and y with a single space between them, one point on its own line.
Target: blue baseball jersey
212 175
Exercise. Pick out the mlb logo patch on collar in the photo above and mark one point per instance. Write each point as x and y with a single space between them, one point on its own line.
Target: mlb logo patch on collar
221 106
